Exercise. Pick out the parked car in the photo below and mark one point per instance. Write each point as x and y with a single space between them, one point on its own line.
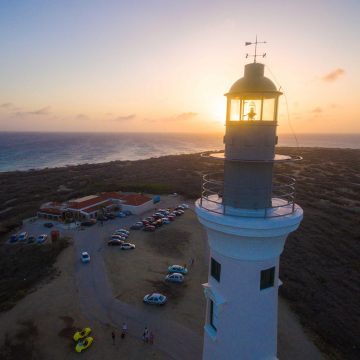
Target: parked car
145 222
115 242
177 269
117 237
85 257
121 214
165 220
84 344
136 226
127 246
41 238
149 228
150 219
102 218
157 223
171 217
175 277
127 212
49 225
82 334
31 239
110 216
159 215
185 206
155 298
87 223
13 238
123 231
23 236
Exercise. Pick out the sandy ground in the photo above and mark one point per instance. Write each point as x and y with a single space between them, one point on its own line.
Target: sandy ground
42 324
53 310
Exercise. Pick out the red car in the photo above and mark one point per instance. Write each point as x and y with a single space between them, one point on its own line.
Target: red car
171 218
149 228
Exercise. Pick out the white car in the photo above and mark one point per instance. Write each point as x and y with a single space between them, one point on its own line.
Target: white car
185 206
127 246
177 269
123 231
41 238
23 236
155 299
85 257
175 277
118 237
120 233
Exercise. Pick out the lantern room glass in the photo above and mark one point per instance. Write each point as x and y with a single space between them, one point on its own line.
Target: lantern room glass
252 109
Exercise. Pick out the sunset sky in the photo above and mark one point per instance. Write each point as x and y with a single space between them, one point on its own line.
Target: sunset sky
164 65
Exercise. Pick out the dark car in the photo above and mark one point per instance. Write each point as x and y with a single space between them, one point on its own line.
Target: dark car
127 212
87 223
136 226
111 216
49 225
13 238
31 239
102 218
149 228
114 242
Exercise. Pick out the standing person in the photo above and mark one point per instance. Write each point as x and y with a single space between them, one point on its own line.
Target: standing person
146 335
124 330
151 338
113 337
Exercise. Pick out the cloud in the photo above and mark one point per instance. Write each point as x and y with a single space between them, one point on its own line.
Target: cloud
317 110
124 117
186 116
333 75
82 117
42 111
7 105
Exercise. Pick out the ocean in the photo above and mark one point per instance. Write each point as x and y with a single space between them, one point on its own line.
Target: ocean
25 151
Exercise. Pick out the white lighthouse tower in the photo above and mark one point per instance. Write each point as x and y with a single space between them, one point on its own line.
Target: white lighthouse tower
248 212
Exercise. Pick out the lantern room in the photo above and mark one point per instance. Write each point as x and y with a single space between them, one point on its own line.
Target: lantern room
253 97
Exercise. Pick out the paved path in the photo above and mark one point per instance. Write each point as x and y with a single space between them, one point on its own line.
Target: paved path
98 303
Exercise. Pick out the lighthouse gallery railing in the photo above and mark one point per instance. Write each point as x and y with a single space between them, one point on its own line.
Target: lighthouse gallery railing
283 196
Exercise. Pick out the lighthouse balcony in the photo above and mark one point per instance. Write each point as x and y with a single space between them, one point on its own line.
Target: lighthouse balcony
282 198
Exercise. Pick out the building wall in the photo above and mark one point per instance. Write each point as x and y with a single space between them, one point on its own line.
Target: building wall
140 209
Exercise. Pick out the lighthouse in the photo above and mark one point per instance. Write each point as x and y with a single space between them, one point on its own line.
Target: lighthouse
248 211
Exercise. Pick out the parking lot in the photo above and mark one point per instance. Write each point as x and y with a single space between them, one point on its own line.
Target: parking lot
136 273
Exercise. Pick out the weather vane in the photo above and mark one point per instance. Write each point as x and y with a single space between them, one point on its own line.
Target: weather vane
256 44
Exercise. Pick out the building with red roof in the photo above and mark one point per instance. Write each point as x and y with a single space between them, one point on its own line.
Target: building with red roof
93 206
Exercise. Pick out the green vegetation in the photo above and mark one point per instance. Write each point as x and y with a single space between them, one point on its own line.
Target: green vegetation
22 266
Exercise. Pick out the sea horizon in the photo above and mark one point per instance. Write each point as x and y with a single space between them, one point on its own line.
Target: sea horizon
21 151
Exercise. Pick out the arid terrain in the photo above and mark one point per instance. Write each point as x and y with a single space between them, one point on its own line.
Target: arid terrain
319 267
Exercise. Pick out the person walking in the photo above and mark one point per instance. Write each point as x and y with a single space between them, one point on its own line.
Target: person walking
113 337
124 330
151 338
146 335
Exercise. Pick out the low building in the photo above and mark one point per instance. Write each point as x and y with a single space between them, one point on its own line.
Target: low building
93 206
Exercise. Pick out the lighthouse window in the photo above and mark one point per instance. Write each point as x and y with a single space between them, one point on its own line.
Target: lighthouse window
268 110
213 319
215 269
235 110
267 278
